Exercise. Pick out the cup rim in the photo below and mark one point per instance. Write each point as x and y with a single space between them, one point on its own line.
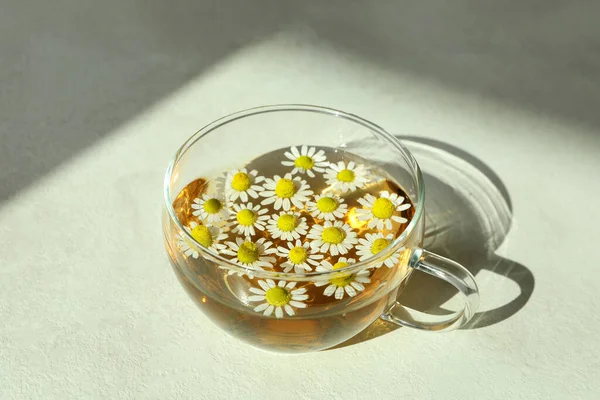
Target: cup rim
293 276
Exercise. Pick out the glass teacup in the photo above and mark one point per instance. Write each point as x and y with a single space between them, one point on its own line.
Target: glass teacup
274 226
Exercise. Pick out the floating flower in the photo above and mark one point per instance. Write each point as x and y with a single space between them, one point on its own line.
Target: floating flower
380 211
210 209
245 218
299 256
306 160
348 283
346 177
335 237
241 183
278 297
284 191
207 236
328 207
251 254
374 244
288 225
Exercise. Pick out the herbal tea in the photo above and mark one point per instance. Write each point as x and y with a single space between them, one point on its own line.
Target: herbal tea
296 210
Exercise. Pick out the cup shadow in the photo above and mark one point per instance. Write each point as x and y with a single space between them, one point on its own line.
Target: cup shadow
468 213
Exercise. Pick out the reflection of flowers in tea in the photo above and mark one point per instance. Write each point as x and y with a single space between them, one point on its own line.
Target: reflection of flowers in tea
287 225
380 211
343 282
278 297
251 254
306 160
246 218
299 256
241 183
283 192
374 244
333 237
346 177
210 209
328 207
207 236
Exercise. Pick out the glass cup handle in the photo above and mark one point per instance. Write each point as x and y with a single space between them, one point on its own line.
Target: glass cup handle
449 271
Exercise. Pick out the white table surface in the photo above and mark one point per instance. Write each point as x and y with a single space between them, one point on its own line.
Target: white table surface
90 308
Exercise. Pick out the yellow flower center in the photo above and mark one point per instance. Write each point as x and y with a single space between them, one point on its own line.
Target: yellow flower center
202 235
285 188
343 279
304 162
333 235
327 204
248 253
240 182
278 296
339 265
298 255
287 222
383 208
379 244
212 206
345 175
246 217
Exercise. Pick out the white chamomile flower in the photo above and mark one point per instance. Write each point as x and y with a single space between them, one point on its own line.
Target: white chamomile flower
245 218
374 244
306 160
327 207
286 191
299 256
251 254
241 183
343 282
335 237
207 236
210 209
346 177
380 211
278 297
288 225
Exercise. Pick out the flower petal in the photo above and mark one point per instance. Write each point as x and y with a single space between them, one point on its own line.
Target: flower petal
256 298
257 291
329 290
297 304
289 310
403 207
264 285
278 312
268 200
350 290
268 311
290 285
400 220
278 203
